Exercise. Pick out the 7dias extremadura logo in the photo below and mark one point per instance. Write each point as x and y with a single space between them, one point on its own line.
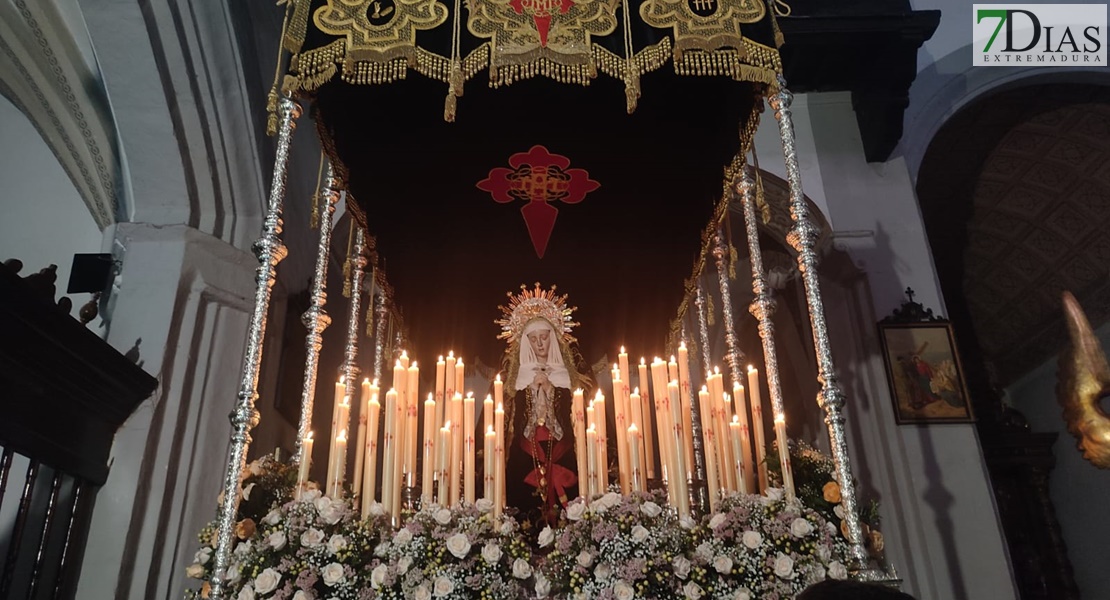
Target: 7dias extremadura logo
1007 35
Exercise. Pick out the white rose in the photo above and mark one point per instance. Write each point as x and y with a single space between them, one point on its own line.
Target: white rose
267 581
576 510
322 503
195 571
332 574
704 551
543 586
692 590
603 572
546 537
610 500
774 494
422 593
585 559
301 595
442 587
458 545
404 564
255 468
336 543
402 537
491 553
233 575
381 549
313 538
717 520
203 555
277 540
639 534
507 527
784 566
310 495
752 539
651 509
838 570
623 591
443 516
742 594
333 513
247 495
681 566
521 569
484 505
243 548
838 510
272 518
824 553
247 593
376 509
723 564
801 527
687 523
377 576
817 573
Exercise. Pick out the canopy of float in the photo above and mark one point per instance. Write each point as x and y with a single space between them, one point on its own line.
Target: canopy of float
636 146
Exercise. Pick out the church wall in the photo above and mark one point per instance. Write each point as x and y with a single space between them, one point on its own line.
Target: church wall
44 220
1078 489
938 511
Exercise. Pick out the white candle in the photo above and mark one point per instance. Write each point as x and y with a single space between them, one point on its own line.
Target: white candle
489 462
748 484
579 419
441 374
624 466
369 475
638 417
468 448
757 426
399 415
487 411
412 412
709 443
455 468
449 382
687 404
591 456
305 464
645 410
499 457
389 450
429 446
360 442
734 435
634 458
460 377
335 489
601 417
340 391
498 390
679 449
784 457
404 359
442 452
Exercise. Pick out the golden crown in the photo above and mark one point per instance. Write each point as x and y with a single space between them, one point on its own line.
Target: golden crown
530 304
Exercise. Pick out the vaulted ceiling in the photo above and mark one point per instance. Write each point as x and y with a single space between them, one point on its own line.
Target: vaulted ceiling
1015 190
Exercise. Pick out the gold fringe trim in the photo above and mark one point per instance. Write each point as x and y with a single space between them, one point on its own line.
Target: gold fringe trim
294 36
507 74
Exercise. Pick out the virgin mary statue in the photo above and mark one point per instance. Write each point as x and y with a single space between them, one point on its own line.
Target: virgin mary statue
543 366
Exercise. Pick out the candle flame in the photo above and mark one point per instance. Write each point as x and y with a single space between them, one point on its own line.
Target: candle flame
622 350
404 354
470 395
716 370
672 358
397 363
736 419
413 366
751 368
346 402
599 397
500 407
497 378
490 431
342 437
642 362
440 358
592 429
489 398
308 437
632 428
366 381
375 383
780 419
705 389
682 345
636 391
451 354
431 398
341 378
446 426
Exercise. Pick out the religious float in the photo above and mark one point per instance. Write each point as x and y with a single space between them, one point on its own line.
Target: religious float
660 479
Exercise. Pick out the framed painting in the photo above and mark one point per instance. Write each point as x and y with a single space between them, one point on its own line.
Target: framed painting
926 378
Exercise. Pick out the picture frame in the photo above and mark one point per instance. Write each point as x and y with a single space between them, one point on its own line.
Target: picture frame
923 368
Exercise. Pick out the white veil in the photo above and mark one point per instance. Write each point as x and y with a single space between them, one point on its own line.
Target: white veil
557 371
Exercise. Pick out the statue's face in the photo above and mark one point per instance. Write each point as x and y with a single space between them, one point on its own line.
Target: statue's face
541 343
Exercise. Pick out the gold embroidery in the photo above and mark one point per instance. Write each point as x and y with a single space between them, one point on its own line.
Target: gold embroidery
381 31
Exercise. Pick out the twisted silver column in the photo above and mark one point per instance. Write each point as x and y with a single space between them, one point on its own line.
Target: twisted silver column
350 353
701 489
803 237
735 355
763 308
703 330
270 251
381 313
316 319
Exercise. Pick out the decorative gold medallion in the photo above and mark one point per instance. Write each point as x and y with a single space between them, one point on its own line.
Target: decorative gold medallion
706 25
379 30
550 37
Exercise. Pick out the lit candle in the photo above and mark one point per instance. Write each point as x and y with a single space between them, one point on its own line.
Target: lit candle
721 421
712 473
601 419
305 464
404 359
441 374
429 446
638 417
624 467
412 412
499 457
487 411
622 362
757 426
578 416
340 391
455 468
399 414
687 404
634 458
336 487
449 382
498 390
734 435
645 410
460 377
665 427
370 471
591 459
489 462
468 448
747 485
784 458
442 450
672 369
360 443
389 450
338 461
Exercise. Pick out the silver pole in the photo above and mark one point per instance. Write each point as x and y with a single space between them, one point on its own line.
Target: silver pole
735 356
803 237
270 251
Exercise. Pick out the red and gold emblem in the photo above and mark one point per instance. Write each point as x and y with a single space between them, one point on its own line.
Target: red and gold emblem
539 178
